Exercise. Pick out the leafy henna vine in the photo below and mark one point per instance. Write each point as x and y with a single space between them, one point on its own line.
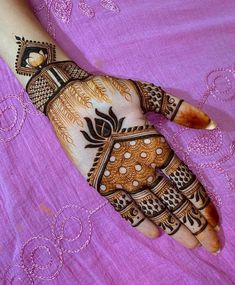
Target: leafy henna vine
33 56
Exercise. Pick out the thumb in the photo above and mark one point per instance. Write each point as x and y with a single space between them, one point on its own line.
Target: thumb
189 116
154 99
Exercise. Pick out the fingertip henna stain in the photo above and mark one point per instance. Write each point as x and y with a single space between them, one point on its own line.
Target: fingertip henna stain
192 117
211 215
216 247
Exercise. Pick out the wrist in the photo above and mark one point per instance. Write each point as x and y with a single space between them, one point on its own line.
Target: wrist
48 82
22 33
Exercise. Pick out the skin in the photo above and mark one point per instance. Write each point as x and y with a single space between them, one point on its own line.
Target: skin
17 19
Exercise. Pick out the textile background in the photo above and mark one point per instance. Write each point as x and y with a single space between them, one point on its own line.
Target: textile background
55 229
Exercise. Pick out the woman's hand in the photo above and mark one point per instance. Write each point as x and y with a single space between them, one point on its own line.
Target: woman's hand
100 123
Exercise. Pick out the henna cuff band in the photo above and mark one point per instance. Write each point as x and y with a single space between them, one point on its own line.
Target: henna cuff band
155 99
49 81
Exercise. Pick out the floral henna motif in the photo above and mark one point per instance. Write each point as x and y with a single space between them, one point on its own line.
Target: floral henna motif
120 85
155 99
104 127
32 56
127 155
48 77
125 168
125 163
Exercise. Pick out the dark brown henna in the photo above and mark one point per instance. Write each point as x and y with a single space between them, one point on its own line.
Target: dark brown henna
129 155
50 81
155 99
124 204
179 205
33 56
156 211
183 178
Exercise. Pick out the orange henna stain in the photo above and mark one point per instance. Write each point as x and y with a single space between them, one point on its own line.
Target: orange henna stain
211 215
209 239
191 117
45 209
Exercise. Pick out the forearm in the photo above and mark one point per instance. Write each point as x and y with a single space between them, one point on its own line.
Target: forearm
17 20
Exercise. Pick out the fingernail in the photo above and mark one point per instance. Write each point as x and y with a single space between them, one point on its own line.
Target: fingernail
216 253
217 228
211 126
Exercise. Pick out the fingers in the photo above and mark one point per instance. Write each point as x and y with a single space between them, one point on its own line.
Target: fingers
154 98
183 209
187 183
125 205
157 212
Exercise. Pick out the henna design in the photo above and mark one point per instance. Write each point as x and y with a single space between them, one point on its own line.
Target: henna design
37 59
182 177
59 102
32 56
129 156
119 200
96 88
50 82
103 128
149 203
155 99
191 216
133 215
186 182
123 203
179 205
169 196
154 209
169 223
120 85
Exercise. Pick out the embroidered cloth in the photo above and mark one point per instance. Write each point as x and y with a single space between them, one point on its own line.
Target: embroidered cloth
55 229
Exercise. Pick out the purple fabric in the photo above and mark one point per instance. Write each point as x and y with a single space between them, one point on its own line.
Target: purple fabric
57 230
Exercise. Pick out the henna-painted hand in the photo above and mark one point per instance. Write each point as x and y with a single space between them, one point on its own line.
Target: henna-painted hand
100 123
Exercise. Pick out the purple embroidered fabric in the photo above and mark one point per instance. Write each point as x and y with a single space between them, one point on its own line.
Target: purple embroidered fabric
55 229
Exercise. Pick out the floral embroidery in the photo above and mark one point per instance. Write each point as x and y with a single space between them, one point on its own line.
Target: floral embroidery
61 9
206 144
13 113
11 109
90 12
221 84
42 258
